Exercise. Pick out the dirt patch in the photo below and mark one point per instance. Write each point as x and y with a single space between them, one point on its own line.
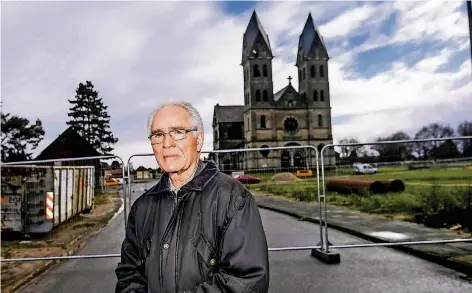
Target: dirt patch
64 240
284 177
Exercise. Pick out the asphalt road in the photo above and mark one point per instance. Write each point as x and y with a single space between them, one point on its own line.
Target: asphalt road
361 270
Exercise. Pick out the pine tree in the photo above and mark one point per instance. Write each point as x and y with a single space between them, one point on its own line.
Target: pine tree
89 117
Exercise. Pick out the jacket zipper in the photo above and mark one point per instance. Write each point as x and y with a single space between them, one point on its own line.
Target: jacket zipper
175 204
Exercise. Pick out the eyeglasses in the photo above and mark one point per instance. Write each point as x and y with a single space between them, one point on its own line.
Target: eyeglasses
176 134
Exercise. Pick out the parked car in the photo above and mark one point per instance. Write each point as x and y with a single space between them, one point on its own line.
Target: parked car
247 179
364 169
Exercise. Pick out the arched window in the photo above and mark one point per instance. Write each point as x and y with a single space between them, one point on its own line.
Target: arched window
257 73
321 71
322 96
315 95
264 153
290 102
265 96
263 121
304 73
313 70
304 96
264 70
300 74
320 120
258 95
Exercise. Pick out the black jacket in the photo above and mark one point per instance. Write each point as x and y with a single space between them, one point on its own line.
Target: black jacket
208 238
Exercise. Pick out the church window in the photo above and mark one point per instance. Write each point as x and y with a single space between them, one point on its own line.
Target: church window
290 103
291 125
264 153
258 95
264 70
322 96
315 95
247 124
300 74
313 70
304 73
265 96
320 120
321 71
263 121
216 135
304 96
257 73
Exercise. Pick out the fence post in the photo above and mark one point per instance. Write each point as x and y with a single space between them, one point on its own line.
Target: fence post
324 254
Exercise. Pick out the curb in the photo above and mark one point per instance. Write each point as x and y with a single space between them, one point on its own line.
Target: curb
454 265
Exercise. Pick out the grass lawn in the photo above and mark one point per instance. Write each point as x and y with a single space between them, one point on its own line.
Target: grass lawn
445 193
439 176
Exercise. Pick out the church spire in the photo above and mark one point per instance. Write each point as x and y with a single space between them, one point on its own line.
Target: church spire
310 39
254 30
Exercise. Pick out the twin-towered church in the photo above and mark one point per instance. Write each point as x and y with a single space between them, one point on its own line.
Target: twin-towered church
285 118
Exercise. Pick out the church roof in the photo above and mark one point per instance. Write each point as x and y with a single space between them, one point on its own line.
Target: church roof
254 28
310 36
228 113
289 88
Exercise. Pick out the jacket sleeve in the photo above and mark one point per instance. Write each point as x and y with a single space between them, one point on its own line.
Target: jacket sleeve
244 261
128 272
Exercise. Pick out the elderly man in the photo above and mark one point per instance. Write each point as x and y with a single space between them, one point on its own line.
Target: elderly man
197 230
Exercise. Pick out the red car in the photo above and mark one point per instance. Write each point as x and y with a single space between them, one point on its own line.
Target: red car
247 179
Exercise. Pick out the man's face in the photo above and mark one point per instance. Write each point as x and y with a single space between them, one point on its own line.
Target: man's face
175 155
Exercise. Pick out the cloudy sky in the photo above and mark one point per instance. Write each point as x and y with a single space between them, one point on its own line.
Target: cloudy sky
394 65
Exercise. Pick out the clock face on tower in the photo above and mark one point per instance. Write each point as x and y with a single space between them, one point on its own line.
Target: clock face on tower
291 125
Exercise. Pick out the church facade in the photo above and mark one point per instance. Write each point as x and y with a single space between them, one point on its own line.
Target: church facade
287 118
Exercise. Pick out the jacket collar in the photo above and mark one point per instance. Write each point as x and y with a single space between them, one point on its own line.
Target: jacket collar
206 170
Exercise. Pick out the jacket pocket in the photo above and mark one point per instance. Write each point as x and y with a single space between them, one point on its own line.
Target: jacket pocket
207 256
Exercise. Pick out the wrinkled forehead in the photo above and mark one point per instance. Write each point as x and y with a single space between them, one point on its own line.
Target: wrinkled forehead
171 117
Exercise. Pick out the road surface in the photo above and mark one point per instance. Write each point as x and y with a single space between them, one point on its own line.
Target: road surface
361 270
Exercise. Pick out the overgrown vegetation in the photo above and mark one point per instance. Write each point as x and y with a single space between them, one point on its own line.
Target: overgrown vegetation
435 197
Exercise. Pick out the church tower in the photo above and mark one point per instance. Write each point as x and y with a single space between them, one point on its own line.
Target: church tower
313 82
257 66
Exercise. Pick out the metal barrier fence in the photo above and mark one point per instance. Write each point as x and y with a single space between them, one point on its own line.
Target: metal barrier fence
402 176
48 205
268 165
262 169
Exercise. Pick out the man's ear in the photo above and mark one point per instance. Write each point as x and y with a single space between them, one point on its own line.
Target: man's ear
199 141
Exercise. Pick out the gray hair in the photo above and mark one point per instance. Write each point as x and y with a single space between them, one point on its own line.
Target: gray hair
195 118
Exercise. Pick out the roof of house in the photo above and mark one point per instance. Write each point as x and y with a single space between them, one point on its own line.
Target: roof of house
228 113
68 144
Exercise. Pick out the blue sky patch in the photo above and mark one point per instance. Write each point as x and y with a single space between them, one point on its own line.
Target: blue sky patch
389 26
237 7
374 61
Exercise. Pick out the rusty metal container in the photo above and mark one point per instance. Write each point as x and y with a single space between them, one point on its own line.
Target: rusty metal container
35 199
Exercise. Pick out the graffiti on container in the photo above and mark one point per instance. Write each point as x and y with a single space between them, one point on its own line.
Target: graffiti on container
8 199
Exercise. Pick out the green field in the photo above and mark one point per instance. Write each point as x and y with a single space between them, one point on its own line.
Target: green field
434 195
439 176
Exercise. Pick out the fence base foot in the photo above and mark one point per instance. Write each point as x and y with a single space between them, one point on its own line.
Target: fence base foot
330 257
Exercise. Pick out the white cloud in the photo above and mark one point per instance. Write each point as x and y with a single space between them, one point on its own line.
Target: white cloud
139 54
347 22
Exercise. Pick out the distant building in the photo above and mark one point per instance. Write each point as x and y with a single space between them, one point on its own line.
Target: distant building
285 118
68 145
